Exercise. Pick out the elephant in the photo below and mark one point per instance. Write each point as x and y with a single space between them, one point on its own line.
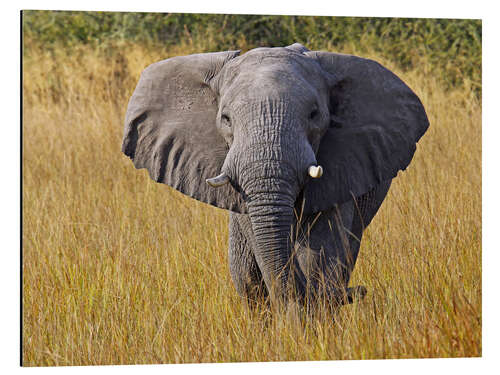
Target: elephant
300 146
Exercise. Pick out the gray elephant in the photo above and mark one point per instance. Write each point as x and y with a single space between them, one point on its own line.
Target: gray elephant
300 146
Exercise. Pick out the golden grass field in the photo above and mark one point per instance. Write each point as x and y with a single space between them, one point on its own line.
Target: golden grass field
118 269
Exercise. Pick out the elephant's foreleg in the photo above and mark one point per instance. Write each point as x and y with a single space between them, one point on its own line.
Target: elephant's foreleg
327 244
243 267
325 252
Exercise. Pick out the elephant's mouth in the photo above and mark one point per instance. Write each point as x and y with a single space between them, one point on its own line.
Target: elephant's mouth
299 203
314 171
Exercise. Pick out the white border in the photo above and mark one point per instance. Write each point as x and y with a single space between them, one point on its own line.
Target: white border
365 8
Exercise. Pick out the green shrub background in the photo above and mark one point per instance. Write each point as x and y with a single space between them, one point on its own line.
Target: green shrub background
452 46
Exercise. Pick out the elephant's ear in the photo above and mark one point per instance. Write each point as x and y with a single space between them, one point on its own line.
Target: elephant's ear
170 127
376 121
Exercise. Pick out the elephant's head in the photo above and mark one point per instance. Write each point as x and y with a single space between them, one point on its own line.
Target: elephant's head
248 133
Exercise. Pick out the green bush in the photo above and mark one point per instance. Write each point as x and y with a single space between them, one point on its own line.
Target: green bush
453 47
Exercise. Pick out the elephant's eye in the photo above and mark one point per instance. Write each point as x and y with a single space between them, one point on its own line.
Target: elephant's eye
225 120
314 114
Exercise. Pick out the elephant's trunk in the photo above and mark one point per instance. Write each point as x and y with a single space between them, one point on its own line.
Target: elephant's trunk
270 165
271 226
270 200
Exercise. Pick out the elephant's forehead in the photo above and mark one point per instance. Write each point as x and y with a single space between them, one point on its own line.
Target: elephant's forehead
271 71
268 51
269 59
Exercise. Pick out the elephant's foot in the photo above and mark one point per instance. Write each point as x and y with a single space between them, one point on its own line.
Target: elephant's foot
349 295
356 293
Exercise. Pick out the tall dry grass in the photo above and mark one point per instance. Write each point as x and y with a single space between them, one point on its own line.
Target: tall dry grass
120 270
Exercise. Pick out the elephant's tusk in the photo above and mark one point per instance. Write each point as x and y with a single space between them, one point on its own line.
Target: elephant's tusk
315 172
218 181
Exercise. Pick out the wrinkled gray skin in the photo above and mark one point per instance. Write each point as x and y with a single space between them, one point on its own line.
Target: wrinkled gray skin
262 119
